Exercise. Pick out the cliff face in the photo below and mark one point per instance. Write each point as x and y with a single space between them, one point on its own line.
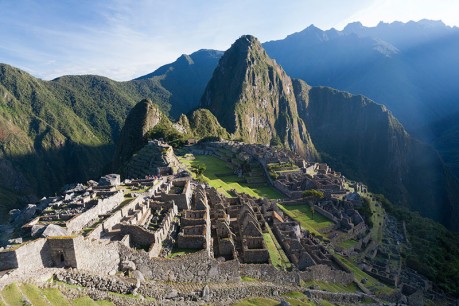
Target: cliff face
252 97
141 119
366 142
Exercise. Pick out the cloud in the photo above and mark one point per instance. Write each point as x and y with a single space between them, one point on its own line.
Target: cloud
123 39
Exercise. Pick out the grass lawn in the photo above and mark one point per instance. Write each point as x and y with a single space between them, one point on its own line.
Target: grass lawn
221 177
179 252
377 218
249 279
34 295
21 294
332 287
277 255
257 302
12 295
302 213
347 244
55 297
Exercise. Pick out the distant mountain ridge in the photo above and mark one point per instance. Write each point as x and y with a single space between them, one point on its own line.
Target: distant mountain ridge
186 79
410 67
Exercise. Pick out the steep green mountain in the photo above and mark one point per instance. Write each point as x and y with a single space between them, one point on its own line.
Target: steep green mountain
365 141
142 118
252 97
186 79
60 131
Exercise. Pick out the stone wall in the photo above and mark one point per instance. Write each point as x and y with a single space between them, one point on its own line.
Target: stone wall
31 256
34 255
96 256
8 260
103 206
138 235
196 267
339 298
325 213
327 274
181 200
162 233
269 273
62 252
318 272
114 219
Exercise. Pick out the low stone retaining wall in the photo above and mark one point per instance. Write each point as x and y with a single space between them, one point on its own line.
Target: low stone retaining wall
269 273
340 298
103 206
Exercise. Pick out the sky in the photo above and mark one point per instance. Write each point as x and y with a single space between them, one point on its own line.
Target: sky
124 39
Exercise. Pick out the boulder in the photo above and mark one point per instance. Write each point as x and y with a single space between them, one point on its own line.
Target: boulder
15 241
127 266
284 303
110 180
92 183
138 275
171 294
24 215
206 293
54 230
37 230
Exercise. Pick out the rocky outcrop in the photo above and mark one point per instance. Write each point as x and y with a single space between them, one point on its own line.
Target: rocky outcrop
141 119
204 124
252 97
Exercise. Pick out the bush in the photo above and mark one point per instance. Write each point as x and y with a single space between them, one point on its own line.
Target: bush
317 194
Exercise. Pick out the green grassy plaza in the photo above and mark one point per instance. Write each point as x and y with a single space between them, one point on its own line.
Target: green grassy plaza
303 214
221 177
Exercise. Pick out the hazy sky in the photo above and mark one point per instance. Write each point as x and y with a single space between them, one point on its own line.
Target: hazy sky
123 39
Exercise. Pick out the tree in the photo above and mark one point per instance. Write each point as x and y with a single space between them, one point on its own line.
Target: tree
199 169
315 194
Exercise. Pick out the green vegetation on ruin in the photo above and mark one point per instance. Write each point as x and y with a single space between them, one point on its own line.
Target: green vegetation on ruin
303 214
249 279
434 250
331 287
221 177
257 302
371 284
276 254
347 244
165 130
181 251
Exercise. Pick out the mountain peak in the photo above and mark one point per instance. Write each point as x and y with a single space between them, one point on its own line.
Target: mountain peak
143 117
253 98
353 26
